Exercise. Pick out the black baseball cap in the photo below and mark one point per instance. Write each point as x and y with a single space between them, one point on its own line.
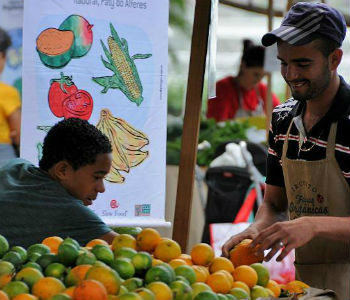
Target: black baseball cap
305 18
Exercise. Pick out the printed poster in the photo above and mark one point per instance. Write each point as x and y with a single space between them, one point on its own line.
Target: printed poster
11 20
104 61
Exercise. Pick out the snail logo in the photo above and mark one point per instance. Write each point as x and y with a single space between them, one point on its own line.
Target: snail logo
114 204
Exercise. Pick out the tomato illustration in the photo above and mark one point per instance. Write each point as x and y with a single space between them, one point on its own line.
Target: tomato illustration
78 105
66 100
59 90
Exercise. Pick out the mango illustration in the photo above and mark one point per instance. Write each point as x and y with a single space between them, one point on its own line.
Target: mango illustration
83 35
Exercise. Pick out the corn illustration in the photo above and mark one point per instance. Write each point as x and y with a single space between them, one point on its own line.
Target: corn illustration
125 77
127 144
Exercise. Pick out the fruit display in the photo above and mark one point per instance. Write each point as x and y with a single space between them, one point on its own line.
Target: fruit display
145 267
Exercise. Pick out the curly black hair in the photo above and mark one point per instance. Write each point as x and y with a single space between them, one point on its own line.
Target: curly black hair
5 41
74 140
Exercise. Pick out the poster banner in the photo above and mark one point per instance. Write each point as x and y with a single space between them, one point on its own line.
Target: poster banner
11 20
104 61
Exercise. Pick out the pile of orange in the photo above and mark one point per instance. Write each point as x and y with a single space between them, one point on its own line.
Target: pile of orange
142 267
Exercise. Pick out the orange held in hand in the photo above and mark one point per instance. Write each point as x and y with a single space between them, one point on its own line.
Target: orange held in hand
242 254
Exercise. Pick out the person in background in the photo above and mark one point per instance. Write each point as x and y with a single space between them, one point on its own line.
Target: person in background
10 109
307 197
51 200
243 95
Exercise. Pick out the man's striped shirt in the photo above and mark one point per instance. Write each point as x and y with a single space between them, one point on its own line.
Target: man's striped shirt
315 140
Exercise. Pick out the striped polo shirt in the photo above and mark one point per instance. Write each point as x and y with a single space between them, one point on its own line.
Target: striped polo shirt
315 141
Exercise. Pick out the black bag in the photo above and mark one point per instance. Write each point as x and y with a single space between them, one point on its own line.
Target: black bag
227 188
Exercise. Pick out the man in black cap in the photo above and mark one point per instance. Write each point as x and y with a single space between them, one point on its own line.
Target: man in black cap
307 198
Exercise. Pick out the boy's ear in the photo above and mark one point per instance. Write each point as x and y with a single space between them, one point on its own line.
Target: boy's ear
61 169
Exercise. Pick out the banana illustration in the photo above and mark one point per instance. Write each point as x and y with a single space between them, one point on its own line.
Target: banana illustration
126 144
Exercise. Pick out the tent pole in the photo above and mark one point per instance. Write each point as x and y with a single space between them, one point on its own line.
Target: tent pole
191 122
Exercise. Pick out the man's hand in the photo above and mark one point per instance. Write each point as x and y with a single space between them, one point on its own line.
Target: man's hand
249 233
286 235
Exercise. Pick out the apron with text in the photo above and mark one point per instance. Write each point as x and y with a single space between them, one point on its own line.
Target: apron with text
318 188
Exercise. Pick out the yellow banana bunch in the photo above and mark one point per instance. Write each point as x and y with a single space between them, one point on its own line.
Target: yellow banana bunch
126 144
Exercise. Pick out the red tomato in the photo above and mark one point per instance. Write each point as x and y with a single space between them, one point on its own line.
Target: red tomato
59 90
78 105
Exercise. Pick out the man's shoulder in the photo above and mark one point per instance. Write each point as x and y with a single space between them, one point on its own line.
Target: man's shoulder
282 113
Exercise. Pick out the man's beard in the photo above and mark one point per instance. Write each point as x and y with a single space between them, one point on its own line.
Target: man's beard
316 86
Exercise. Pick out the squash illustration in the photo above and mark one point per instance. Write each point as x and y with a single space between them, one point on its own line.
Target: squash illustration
83 35
55 47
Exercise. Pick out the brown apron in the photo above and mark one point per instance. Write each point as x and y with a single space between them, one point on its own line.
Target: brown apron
318 188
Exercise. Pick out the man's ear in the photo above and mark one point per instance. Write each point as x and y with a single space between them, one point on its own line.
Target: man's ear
61 169
335 59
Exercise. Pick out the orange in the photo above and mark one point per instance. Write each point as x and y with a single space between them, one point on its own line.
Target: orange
181 290
15 288
160 290
76 275
242 254
142 262
219 282
132 284
46 287
274 287
296 286
103 253
258 292
167 250
146 294
187 258
124 252
29 276
242 285
124 240
159 273
246 274
263 273
61 296
90 290
69 291
107 276
198 287
53 242
67 253
202 254
124 267
221 263
56 270
202 273
228 275
148 239
4 245
240 293
94 242
177 262
156 261
3 296
130 296
25 297
187 272
206 295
